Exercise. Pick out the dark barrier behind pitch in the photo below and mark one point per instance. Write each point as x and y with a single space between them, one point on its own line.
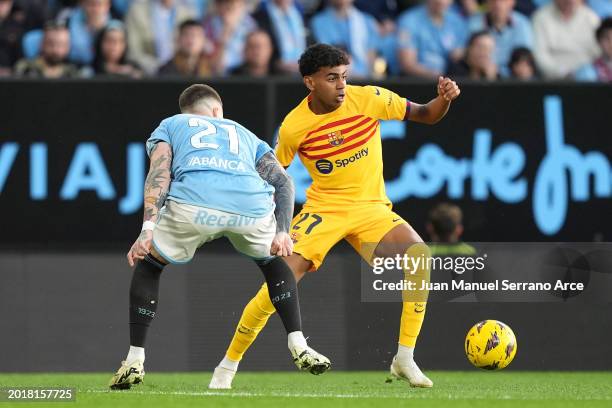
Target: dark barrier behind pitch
68 312
526 163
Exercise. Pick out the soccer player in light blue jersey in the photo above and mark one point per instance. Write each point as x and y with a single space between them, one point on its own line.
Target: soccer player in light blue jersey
209 178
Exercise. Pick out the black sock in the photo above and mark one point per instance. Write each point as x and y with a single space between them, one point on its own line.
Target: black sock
282 288
144 292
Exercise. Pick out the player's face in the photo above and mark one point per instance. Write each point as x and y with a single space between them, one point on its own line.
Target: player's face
328 84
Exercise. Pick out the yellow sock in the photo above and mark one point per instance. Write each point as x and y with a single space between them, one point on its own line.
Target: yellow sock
415 302
254 318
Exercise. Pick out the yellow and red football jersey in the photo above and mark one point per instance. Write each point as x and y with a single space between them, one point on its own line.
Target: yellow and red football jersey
342 150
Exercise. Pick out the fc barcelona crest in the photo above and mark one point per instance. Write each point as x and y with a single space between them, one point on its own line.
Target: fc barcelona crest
335 138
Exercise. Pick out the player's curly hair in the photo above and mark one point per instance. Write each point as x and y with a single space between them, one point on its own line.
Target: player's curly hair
318 56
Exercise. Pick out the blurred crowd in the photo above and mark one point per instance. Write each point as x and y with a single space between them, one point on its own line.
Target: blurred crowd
484 40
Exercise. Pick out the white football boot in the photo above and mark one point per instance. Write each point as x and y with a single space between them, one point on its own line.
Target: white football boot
410 372
222 379
127 375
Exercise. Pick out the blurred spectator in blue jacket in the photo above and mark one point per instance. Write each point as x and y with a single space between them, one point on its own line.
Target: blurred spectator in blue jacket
385 12
84 23
284 23
509 28
430 36
152 26
343 25
601 68
226 29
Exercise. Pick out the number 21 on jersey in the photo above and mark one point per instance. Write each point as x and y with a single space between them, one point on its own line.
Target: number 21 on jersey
197 140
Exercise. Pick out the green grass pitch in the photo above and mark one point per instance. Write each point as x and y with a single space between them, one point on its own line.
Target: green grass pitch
335 389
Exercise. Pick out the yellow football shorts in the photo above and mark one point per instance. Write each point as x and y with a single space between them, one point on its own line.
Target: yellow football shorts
315 231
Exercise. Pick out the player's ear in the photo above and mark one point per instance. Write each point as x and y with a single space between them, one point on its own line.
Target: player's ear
309 82
217 111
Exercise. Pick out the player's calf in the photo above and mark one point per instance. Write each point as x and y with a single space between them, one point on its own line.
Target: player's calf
282 288
144 294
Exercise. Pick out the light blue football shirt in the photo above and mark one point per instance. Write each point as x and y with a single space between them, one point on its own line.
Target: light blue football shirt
213 164
432 43
358 34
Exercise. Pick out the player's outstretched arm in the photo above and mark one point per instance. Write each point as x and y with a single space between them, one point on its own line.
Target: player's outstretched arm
271 171
156 189
436 109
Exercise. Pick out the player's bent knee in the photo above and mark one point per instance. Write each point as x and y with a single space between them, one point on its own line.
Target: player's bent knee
298 265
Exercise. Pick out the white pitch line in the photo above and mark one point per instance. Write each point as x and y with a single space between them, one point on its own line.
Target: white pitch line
243 394
423 395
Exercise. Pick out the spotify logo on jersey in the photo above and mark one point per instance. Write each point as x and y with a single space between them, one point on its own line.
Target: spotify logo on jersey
324 166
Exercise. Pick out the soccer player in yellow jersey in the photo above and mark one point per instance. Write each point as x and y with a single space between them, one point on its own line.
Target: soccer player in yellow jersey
336 133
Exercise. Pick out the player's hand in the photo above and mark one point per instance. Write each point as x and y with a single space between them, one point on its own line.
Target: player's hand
448 89
141 247
282 245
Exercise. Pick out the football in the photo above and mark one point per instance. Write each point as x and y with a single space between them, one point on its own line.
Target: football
490 345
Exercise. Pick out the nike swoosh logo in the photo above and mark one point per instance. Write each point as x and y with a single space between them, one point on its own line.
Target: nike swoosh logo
396 219
377 91
243 330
